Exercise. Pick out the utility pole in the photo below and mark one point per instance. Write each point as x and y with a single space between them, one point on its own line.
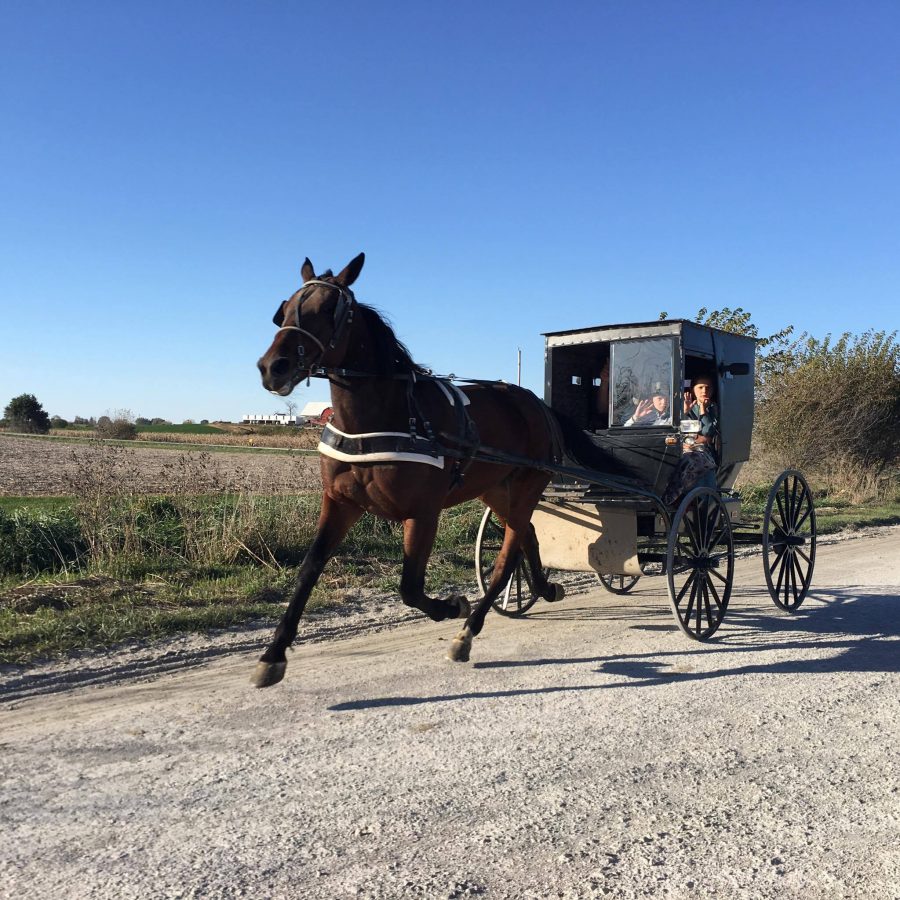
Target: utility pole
519 374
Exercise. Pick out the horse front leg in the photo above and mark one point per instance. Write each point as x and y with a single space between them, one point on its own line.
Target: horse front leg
335 520
418 540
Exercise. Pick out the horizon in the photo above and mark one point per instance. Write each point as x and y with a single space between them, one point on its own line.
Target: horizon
508 170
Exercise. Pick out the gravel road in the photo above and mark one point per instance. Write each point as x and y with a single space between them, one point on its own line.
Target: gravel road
589 750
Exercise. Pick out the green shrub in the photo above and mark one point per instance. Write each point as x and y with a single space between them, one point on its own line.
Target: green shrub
33 542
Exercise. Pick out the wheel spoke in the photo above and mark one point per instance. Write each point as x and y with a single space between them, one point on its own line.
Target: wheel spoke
715 593
803 518
692 534
785 571
793 505
690 606
719 534
719 575
706 604
792 578
685 586
799 570
699 586
780 575
783 520
506 593
807 559
778 557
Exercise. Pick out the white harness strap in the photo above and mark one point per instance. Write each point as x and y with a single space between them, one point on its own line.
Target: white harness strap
304 332
371 438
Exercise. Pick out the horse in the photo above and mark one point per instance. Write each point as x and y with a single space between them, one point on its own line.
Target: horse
403 445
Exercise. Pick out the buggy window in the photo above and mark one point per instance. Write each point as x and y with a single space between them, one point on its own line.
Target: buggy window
640 369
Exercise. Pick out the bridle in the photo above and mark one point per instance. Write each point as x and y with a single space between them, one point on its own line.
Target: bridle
343 316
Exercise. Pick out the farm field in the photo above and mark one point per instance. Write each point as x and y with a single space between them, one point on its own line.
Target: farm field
31 467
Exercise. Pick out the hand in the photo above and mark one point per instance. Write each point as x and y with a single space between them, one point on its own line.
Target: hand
642 409
688 400
702 405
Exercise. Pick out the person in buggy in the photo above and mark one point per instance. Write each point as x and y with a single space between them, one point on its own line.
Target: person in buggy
653 411
700 458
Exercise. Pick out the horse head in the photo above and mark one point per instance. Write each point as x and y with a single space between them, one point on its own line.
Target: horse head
313 327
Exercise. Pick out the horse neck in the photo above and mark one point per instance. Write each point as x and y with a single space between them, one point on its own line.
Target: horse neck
364 404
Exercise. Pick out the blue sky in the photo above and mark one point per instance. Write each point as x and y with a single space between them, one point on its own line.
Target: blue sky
508 169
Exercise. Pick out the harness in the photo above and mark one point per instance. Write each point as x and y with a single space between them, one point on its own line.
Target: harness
343 317
384 446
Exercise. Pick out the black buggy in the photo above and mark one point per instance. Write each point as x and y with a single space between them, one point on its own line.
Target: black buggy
620 527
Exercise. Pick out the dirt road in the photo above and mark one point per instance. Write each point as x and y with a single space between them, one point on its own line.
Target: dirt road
590 750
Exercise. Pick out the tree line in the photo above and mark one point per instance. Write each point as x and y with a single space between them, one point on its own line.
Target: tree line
25 414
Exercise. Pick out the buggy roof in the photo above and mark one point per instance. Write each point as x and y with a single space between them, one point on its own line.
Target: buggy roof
658 328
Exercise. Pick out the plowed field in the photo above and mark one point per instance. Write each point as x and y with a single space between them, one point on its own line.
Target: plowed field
32 467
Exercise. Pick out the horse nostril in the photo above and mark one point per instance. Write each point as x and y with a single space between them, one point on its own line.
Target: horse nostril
280 366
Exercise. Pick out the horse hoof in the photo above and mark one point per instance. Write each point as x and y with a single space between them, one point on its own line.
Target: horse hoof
464 608
558 593
460 647
267 674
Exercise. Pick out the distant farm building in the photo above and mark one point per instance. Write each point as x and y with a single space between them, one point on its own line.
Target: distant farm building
317 412
272 419
314 413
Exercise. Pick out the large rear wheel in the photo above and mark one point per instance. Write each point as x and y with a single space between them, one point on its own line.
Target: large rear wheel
700 563
789 540
519 595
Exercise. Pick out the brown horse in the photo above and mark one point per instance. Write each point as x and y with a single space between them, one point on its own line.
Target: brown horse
386 406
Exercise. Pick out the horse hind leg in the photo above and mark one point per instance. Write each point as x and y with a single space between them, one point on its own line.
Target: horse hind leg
519 534
418 540
548 590
461 646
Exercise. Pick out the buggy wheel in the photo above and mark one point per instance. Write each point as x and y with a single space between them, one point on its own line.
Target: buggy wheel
518 596
789 540
618 584
700 563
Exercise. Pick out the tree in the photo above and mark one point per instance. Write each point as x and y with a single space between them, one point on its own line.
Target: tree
58 422
833 406
119 426
25 413
771 352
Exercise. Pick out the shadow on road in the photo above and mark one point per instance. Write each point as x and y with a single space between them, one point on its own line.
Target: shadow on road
846 630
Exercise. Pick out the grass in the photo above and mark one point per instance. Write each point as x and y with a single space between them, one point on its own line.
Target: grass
148 567
161 566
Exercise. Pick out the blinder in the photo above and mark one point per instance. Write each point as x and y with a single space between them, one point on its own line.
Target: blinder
343 316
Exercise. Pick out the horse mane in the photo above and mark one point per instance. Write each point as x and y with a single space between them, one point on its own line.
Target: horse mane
391 356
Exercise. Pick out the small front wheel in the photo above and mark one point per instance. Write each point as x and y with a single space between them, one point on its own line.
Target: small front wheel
618 584
700 563
519 595
789 540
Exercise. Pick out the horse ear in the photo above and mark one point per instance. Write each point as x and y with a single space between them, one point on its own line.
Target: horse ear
278 318
351 273
307 272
